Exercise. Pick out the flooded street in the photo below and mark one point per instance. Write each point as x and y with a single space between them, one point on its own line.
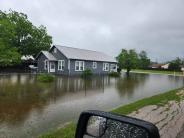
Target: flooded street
29 108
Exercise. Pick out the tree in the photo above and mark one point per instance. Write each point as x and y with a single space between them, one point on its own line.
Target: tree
144 61
19 33
8 56
127 59
175 64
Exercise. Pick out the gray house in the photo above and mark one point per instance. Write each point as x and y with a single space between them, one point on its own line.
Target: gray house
73 61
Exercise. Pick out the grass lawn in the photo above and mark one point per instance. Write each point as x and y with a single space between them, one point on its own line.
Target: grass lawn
161 99
157 72
66 132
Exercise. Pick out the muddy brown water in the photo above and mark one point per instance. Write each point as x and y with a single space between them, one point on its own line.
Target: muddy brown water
29 108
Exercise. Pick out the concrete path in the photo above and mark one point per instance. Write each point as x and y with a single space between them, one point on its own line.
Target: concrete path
169 118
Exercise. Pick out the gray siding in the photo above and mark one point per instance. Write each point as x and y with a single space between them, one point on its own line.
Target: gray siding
89 65
60 56
40 63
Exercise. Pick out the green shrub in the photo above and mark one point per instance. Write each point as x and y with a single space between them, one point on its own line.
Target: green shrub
114 74
45 78
87 73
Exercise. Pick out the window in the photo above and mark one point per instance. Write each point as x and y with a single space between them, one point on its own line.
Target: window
45 64
113 67
105 66
79 65
61 64
52 65
94 65
55 50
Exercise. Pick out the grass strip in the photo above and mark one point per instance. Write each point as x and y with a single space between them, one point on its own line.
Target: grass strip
65 132
157 72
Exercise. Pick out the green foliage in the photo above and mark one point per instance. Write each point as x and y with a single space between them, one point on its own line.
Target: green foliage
144 61
45 78
130 59
19 33
175 64
66 132
114 74
87 73
8 55
127 59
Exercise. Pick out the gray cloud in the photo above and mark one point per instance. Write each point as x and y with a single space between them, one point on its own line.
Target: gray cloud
106 25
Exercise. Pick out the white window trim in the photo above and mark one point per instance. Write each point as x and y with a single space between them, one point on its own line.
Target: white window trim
80 63
62 65
94 65
46 63
105 65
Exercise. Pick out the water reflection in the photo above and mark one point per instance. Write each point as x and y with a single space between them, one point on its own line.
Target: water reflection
127 85
74 84
28 107
19 94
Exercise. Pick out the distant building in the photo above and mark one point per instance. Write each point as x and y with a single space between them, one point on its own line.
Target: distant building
155 66
159 66
182 69
165 66
73 61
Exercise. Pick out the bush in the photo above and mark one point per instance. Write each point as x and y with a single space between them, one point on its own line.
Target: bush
45 78
87 73
114 74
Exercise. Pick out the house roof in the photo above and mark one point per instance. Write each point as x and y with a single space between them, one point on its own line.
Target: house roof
167 64
156 65
82 54
48 55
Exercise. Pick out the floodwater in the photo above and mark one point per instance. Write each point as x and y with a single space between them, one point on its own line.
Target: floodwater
29 108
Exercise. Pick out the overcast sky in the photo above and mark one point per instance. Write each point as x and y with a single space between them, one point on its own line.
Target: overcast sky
156 26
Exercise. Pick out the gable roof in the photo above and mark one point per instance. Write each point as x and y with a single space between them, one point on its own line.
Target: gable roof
82 54
48 55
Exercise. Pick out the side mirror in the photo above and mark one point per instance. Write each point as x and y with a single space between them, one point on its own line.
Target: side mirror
98 124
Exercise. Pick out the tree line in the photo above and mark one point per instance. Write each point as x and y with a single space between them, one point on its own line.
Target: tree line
18 37
176 64
130 59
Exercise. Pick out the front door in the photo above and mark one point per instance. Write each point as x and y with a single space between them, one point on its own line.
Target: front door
52 66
